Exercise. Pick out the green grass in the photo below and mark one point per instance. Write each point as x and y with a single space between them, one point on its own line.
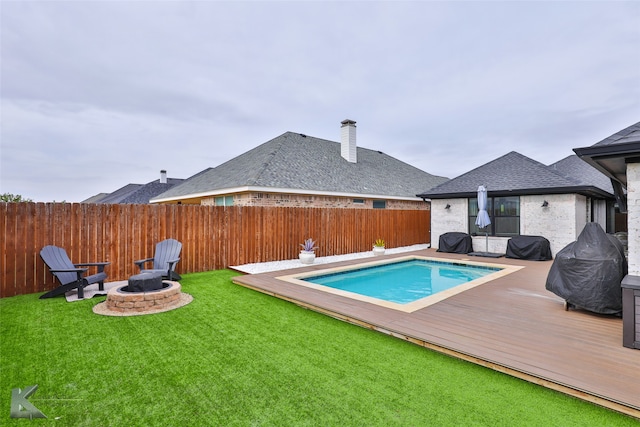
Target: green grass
235 357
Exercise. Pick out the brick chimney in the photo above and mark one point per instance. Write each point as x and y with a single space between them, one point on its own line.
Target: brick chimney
348 140
163 176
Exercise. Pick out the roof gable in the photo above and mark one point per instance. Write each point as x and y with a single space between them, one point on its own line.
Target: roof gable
298 162
516 174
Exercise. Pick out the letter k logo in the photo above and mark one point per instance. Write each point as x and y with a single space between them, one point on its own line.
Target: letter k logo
21 407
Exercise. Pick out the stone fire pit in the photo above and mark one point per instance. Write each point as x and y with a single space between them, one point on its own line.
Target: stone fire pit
122 302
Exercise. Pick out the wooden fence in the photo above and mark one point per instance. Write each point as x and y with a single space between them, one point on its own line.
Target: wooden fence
213 237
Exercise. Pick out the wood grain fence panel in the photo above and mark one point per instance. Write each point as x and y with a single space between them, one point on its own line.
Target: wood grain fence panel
73 225
195 249
181 228
234 217
212 230
246 242
30 245
217 231
203 237
39 242
4 271
9 282
213 237
256 236
21 246
193 239
108 238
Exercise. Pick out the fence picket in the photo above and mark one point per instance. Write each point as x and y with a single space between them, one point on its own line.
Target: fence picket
213 237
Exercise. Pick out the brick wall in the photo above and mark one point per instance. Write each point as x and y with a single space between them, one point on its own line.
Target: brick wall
315 201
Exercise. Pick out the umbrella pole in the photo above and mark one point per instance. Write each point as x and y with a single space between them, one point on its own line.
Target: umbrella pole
486 246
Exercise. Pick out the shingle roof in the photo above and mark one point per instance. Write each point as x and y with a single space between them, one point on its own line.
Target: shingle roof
96 198
582 172
515 174
119 194
150 190
609 155
298 162
627 135
134 193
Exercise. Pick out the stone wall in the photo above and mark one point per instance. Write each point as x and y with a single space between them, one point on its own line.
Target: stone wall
316 201
633 217
560 222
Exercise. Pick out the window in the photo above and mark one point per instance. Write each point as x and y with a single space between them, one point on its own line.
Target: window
379 204
224 201
504 213
358 201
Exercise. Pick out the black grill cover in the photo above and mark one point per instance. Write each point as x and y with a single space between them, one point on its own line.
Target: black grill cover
535 248
456 243
587 273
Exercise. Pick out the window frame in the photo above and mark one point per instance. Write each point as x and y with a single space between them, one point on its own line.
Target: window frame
225 201
379 204
500 214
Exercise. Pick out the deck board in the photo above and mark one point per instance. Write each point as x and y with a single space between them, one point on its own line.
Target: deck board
511 324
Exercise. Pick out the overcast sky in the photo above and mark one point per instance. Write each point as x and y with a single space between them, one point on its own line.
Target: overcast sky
99 94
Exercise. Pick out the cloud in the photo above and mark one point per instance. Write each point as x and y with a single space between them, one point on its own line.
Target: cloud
96 95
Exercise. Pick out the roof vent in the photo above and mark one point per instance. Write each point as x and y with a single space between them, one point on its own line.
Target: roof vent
348 141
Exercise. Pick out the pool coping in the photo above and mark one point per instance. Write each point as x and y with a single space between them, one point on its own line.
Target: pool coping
410 307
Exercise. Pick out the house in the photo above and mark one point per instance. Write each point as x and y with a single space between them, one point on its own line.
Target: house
618 157
525 197
297 170
136 193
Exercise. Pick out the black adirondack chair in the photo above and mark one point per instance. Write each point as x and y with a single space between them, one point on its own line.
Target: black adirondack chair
165 259
70 275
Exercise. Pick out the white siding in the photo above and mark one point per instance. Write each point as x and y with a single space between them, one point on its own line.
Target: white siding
443 220
633 217
560 222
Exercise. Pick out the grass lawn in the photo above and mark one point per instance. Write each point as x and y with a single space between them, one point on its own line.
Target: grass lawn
235 357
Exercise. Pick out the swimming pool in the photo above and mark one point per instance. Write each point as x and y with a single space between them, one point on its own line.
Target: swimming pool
405 283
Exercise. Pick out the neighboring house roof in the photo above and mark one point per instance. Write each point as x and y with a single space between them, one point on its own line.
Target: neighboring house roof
135 193
609 155
516 174
151 190
119 194
302 164
94 199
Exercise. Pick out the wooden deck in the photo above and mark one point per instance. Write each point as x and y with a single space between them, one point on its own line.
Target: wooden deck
511 324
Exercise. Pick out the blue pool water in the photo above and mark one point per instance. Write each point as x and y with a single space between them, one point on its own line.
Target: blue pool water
403 282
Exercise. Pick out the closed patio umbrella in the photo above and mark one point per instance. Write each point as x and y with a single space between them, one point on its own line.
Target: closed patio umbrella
483 219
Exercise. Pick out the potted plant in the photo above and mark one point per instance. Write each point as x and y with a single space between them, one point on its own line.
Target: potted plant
307 254
378 247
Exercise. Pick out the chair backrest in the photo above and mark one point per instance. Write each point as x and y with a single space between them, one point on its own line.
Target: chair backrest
167 250
57 259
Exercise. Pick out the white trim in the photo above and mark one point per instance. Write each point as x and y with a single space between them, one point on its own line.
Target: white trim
235 190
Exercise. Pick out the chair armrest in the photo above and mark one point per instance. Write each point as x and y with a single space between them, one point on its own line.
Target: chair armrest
79 271
141 262
89 264
68 270
100 265
172 262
